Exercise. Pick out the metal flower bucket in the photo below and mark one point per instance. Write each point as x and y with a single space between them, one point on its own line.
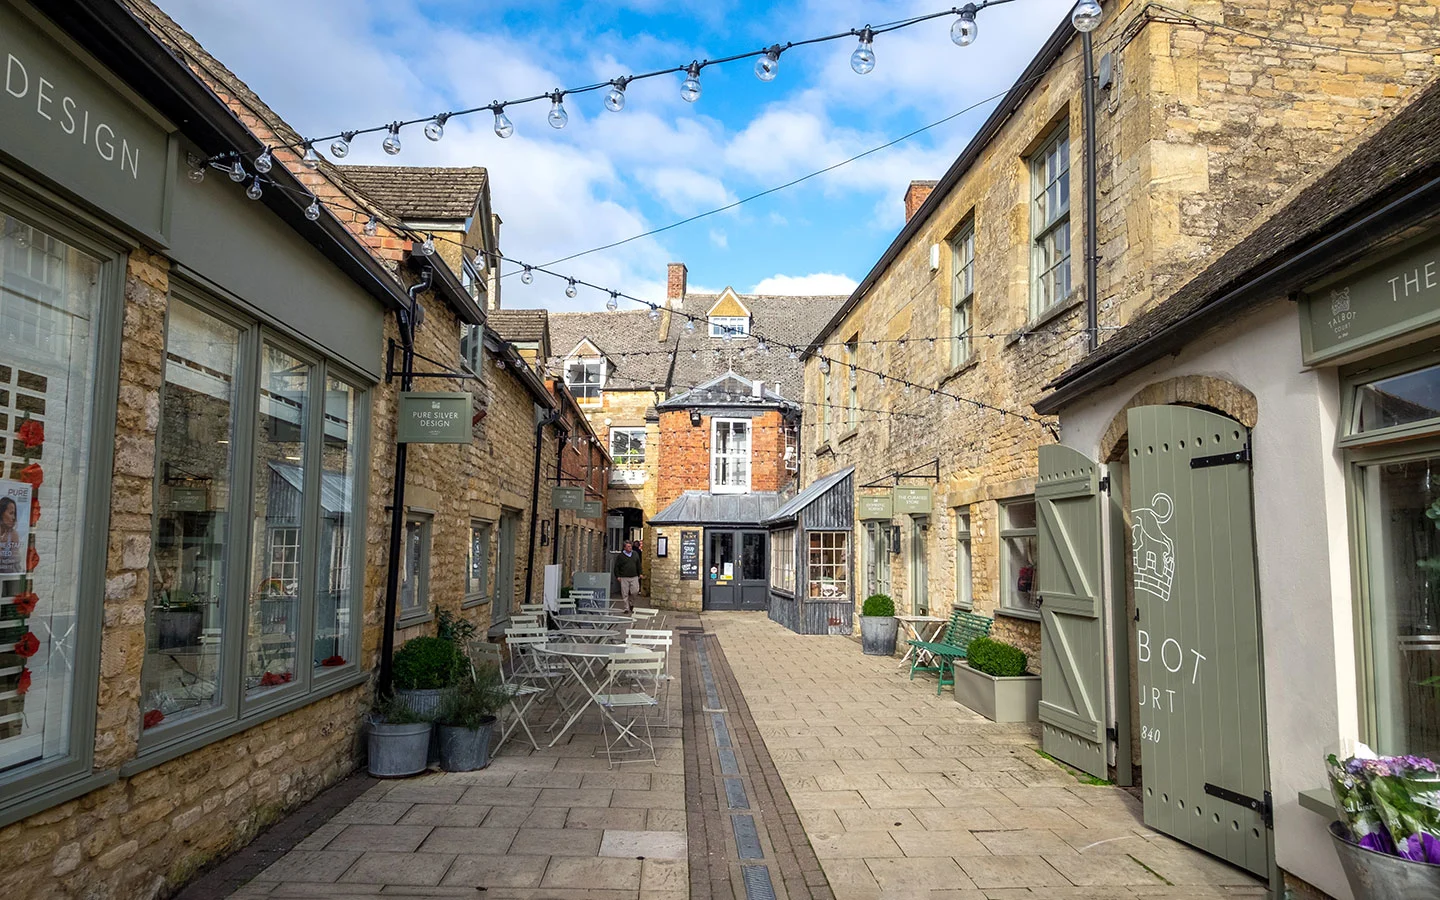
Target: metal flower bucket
1382 876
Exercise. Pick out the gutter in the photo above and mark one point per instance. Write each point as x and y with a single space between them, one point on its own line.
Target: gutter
540 427
1011 102
1337 250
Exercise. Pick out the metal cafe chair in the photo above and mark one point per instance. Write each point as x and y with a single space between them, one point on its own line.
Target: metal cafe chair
535 668
659 641
484 653
629 691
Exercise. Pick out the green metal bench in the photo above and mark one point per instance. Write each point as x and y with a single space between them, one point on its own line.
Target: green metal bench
964 627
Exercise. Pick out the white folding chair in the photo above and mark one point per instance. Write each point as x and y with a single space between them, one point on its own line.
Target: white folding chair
532 609
660 641
566 606
648 617
630 689
539 669
484 653
525 620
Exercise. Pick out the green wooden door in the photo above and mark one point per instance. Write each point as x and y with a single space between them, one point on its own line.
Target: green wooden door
1072 644
1200 703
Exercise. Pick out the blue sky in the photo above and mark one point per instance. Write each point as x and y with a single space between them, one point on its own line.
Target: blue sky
331 65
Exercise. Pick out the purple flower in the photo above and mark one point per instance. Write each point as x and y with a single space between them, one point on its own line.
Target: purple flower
1422 847
1380 842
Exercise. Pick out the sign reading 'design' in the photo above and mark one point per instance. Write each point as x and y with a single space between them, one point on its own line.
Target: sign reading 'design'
70 125
1384 302
563 497
912 500
875 506
591 509
434 418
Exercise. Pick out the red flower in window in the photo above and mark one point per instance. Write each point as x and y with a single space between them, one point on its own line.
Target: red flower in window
32 475
34 510
32 560
271 679
31 433
152 718
333 661
25 603
28 645
22 687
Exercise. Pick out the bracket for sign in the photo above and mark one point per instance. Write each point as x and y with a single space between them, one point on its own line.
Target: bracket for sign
1262 806
391 372
886 480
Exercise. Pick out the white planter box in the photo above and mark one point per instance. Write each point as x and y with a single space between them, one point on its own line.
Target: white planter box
998 699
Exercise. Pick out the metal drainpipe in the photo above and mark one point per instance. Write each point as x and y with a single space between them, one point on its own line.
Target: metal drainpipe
406 320
535 503
555 517
1092 241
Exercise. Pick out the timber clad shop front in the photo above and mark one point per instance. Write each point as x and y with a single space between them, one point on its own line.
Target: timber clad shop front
185 376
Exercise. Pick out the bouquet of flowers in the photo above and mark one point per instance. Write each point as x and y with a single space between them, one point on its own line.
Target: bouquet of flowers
1391 804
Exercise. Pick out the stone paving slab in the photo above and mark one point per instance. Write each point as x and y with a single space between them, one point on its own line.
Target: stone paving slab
905 794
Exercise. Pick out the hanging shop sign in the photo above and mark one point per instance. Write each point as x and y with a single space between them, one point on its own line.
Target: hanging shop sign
1376 306
69 124
592 509
875 506
912 500
689 556
563 497
427 417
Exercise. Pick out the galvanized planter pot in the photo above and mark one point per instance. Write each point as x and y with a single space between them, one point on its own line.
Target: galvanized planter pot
1014 699
1375 874
465 749
395 751
877 635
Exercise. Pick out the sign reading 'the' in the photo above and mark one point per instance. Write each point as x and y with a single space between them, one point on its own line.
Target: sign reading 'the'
434 418
1374 307
913 500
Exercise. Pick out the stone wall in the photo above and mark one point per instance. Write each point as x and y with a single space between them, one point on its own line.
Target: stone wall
667 590
1201 130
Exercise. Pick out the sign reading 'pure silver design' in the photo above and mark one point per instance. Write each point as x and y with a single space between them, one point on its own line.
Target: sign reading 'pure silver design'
434 418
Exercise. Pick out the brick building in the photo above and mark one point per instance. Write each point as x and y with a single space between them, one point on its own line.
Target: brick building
982 296
624 367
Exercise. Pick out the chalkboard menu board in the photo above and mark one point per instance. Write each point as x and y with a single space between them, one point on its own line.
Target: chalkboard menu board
689 556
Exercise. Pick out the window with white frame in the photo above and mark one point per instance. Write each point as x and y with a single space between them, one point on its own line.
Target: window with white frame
792 445
585 377
828 565
1017 557
627 447
415 567
782 560
964 587
852 388
962 294
825 403
477 569
733 326
1050 223
730 456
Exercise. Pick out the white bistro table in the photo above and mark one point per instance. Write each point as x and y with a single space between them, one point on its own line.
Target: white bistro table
581 658
916 627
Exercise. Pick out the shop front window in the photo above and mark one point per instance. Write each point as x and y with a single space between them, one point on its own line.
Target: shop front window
1017 557
50 298
782 562
829 565
334 625
477 570
415 568
964 589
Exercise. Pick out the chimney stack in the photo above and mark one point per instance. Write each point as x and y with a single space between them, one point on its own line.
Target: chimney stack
675 285
915 196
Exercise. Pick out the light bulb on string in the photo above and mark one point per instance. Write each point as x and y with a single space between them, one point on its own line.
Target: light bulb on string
340 147
558 117
824 366
863 59
654 313
768 64
254 190
762 347
435 128
794 354
391 144
964 31
527 276
427 246
312 212
237 171
197 174
615 97
264 162
690 87
689 326
311 159
372 225
613 303
725 335
1086 16
570 290
503 126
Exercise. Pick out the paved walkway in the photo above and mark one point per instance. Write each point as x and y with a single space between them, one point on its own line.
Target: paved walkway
906 794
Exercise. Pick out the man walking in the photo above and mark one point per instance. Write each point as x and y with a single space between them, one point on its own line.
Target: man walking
627 570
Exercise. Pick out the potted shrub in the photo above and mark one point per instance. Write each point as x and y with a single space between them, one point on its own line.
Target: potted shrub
398 742
467 721
992 681
423 669
878 626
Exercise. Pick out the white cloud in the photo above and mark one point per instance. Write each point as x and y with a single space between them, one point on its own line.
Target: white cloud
719 238
805 285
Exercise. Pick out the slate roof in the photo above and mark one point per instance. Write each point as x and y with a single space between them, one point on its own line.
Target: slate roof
725 390
626 335
813 492
415 192
520 326
705 508
1399 157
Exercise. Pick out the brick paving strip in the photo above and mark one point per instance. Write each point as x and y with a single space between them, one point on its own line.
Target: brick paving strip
905 794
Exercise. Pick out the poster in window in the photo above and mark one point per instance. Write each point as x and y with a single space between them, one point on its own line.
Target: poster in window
14 526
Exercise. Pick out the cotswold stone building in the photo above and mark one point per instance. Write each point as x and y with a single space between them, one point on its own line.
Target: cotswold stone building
983 296
629 370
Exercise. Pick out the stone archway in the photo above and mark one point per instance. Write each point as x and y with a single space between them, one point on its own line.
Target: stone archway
1200 391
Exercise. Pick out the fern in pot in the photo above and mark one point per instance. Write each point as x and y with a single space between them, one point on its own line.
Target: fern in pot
467 720
878 626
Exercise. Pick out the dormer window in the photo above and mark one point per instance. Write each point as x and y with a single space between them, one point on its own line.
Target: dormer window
585 378
728 317
735 326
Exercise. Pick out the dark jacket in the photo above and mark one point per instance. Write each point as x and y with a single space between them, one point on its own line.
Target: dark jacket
627 566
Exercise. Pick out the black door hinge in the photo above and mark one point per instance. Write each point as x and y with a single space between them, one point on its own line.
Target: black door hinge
1223 459
1263 807
1112 734
1105 484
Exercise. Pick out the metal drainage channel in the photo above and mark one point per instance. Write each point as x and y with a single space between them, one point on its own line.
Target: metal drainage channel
756 878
